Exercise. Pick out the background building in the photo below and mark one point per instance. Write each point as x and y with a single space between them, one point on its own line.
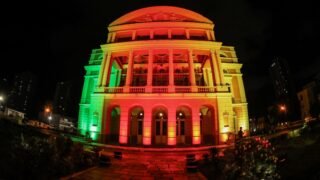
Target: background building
61 101
284 89
21 96
308 98
163 79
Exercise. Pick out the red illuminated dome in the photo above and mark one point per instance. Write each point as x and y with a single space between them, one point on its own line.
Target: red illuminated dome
162 79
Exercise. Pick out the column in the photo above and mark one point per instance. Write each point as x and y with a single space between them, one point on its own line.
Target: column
214 63
150 71
187 34
129 72
104 70
212 35
171 72
107 68
147 126
196 134
169 33
84 96
208 35
109 37
220 67
191 69
123 134
134 35
101 71
241 88
209 74
172 126
113 37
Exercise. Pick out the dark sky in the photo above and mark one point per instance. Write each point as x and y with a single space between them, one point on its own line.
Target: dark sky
54 40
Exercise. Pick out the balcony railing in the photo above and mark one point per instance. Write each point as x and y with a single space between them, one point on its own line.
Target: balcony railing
183 89
165 89
206 89
137 90
113 90
160 89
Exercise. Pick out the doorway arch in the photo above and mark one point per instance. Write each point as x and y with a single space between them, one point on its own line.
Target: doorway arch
183 125
113 125
207 124
159 125
136 116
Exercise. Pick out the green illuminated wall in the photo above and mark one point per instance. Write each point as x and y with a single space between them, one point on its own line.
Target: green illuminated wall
90 110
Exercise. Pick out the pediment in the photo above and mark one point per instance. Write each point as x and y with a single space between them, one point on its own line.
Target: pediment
161 16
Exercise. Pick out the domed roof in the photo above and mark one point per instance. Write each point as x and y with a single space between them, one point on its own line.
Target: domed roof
161 14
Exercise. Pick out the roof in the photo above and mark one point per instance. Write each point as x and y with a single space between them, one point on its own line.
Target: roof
161 14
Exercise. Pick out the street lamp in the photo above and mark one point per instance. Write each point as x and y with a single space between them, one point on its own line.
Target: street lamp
1 102
283 109
47 110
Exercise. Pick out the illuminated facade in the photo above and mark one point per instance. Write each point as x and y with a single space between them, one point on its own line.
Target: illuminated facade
162 79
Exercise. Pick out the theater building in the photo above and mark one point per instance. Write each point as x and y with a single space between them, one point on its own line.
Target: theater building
162 79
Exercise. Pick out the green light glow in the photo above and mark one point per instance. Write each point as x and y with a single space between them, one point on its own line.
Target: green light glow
86 117
93 128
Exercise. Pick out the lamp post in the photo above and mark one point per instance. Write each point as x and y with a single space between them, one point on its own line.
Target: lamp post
1 101
48 114
283 109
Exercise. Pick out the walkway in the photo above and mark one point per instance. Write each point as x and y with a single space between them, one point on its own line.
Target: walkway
144 165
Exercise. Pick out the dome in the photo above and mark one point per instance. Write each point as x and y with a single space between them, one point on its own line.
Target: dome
161 14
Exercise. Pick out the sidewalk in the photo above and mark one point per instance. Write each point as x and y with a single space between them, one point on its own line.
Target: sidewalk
142 165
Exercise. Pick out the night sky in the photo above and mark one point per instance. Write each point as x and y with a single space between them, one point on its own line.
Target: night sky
54 40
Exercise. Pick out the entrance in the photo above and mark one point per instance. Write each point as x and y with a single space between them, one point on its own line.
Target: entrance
207 124
136 126
113 125
183 125
160 126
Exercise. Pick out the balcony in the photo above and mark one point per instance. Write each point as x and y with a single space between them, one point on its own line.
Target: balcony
166 89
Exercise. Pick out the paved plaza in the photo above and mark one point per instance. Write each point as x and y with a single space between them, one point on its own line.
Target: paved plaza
143 165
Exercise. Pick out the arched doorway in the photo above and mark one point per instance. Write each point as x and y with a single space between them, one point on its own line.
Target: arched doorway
159 126
183 125
136 117
113 125
207 124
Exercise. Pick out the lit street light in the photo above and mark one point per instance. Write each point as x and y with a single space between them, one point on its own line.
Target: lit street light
283 109
1 102
47 110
